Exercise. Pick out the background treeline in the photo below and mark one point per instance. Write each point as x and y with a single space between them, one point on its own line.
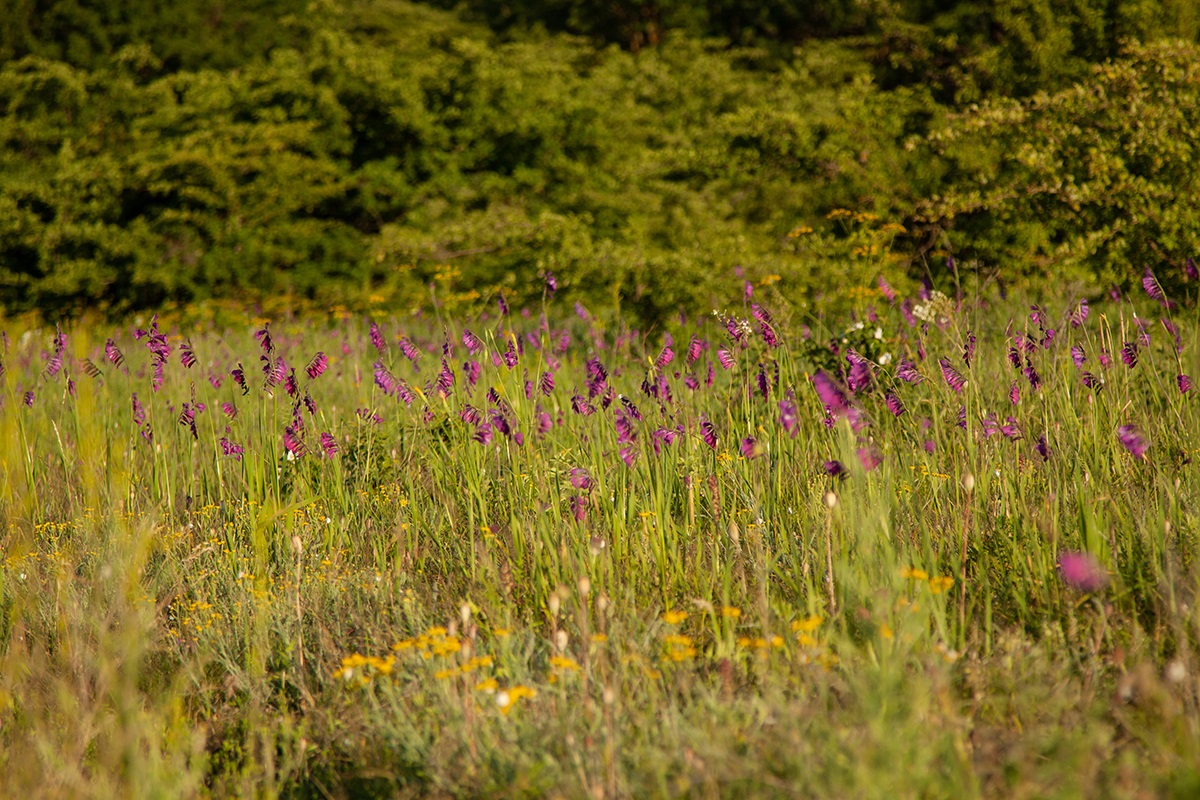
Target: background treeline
654 155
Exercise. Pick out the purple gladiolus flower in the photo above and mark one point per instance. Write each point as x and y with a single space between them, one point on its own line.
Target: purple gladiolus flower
725 358
834 469
239 377
378 339
770 338
869 457
1011 430
760 313
789 414
1153 288
831 395
290 385
113 353
292 442
666 356
1133 441
1080 314
1184 382
263 335
708 433
551 283
544 423
317 366
907 372
384 378
502 304
751 448
1043 447
1129 354
578 506
991 426
1078 356
953 377
628 455
969 349
470 415
546 383
581 480
483 434
1189 267
1082 572
231 449
471 342
54 365
473 370
886 290
329 445
1014 393
893 403
581 406
187 356
695 348
1092 382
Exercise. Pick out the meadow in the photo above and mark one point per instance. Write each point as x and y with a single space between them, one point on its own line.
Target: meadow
934 546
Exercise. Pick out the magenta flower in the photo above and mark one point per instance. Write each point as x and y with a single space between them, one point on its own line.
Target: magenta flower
695 348
1129 354
317 366
834 469
1011 430
290 385
239 377
628 455
869 457
725 358
770 338
113 353
907 372
292 442
329 445
969 349
1153 288
483 434
708 433
546 383
831 395
1189 267
1014 394
893 403
1043 447
139 412
187 356
472 369
666 356
263 335
1080 314
789 414
470 415
886 290
581 480
1031 374
445 379
1092 382
1185 383
750 447
54 365
231 449
384 378
760 313
953 377
1078 356
1082 572
1133 441
551 283
410 351
502 304
578 506
471 342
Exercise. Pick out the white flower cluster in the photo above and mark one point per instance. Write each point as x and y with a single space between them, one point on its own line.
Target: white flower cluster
936 310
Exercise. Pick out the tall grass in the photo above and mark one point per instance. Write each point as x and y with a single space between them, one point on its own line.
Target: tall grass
540 553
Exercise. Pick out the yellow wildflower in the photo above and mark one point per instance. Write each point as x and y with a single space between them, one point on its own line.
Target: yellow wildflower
674 617
808 624
914 574
733 612
940 583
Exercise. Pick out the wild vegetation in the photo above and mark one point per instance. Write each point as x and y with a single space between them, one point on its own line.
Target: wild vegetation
923 549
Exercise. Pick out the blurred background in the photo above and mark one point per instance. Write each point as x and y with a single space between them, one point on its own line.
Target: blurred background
656 156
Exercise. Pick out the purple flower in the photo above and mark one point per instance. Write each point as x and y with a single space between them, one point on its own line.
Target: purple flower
708 433
187 356
1014 394
860 376
113 353
726 358
502 304
239 377
1082 572
628 455
953 377
28 398
471 342
695 348
378 339
54 365
581 406
1133 441
1184 382
384 378
893 403
551 283
969 349
1189 267
760 313
907 372
1031 375
770 338
834 469
317 366
483 434
831 395
292 442
789 414
1014 357
1129 354
578 506
232 450
581 480
263 335
1080 314
1153 288
1092 382
666 356
751 448
291 385
1011 430
473 370
329 445
1078 356
886 290
869 457
1043 447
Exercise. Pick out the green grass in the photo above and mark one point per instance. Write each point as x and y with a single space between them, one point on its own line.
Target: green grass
421 614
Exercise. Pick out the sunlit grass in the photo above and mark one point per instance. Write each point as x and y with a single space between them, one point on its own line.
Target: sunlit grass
536 554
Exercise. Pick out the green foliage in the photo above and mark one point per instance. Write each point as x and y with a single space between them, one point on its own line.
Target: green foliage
1096 181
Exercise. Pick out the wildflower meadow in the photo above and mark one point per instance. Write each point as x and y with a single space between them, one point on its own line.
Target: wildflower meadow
935 544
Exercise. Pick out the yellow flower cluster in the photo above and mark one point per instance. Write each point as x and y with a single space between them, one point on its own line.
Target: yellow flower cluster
679 647
364 669
434 642
937 583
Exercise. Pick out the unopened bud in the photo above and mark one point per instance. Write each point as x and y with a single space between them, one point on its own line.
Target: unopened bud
830 499
585 586
968 482
464 613
297 545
